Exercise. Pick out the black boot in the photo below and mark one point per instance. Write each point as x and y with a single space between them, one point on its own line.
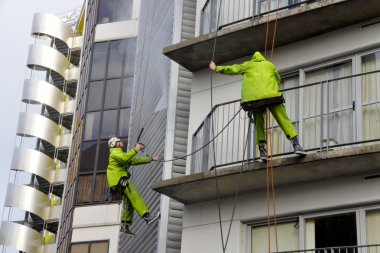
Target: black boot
263 152
297 147
125 231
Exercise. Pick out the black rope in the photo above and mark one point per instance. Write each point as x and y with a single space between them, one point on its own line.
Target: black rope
196 151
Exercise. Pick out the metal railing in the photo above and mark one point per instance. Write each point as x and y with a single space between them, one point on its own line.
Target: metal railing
234 11
330 114
374 248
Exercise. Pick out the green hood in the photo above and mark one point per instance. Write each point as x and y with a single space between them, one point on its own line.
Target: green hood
260 78
257 57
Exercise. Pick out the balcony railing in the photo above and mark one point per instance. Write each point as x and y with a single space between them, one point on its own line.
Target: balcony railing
330 114
234 11
374 248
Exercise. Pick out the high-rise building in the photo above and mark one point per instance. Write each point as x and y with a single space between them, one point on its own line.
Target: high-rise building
327 53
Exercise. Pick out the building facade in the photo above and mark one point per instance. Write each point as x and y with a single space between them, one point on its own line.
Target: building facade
329 61
33 204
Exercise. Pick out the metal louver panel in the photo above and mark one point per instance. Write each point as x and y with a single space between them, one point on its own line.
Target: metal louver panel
45 24
28 199
35 125
41 92
20 237
47 58
33 161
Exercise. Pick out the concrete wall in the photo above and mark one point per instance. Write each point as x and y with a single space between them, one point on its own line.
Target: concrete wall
343 42
97 223
201 222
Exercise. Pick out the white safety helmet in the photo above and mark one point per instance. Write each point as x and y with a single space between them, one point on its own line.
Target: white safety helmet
112 142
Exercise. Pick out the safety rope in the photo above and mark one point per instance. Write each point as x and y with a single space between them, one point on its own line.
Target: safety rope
269 164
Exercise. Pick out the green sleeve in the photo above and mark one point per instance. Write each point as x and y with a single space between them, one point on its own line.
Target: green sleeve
232 69
124 157
141 160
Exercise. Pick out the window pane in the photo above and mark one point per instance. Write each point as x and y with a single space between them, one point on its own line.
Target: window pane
98 69
92 125
331 231
109 123
103 156
123 10
99 247
288 241
106 11
117 54
112 94
129 68
373 228
124 122
95 95
84 190
87 156
101 187
126 97
79 248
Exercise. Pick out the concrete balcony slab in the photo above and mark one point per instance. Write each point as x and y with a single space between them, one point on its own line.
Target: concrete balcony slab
318 166
294 24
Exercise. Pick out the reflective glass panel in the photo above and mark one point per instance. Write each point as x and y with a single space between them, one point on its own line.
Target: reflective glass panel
99 58
95 95
92 125
117 55
112 94
126 99
87 156
109 123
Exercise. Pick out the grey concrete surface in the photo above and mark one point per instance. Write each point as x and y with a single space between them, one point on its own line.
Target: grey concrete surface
288 171
293 25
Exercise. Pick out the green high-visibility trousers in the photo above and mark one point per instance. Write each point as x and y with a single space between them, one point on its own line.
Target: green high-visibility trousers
279 113
132 201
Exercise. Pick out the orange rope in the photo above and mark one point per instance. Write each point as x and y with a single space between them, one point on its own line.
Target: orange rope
268 138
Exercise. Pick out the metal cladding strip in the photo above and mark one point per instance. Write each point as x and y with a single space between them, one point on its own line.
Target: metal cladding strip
41 92
64 141
45 24
72 74
33 161
35 125
21 237
60 175
55 212
75 43
44 58
29 199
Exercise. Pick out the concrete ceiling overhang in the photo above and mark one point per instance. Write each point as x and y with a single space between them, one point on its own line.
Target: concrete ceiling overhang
289 171
294 24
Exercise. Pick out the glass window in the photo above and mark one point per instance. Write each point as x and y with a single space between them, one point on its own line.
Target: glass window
103 156
92 125
373 229
101 187
331 231
124 122
84 190
370 89
87 156
123 10
79 248
106 11
117 54
126 98
99 59
108 124
129 68
288 241
95 96
112 94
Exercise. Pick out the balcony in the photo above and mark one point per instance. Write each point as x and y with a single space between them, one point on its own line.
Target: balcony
242 27
339 129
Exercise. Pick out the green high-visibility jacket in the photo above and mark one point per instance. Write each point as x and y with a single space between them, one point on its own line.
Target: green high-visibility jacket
260 78
119 163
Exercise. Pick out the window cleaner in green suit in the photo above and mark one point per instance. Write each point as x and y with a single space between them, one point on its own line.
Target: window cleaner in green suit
118 178
261 81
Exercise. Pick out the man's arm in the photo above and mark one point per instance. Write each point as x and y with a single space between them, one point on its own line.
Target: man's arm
144 159
235 69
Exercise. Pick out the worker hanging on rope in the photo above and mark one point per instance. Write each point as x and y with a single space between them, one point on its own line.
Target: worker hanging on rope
118 177
261 81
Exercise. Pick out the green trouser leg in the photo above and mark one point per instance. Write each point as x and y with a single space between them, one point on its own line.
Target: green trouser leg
279 113
132 200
